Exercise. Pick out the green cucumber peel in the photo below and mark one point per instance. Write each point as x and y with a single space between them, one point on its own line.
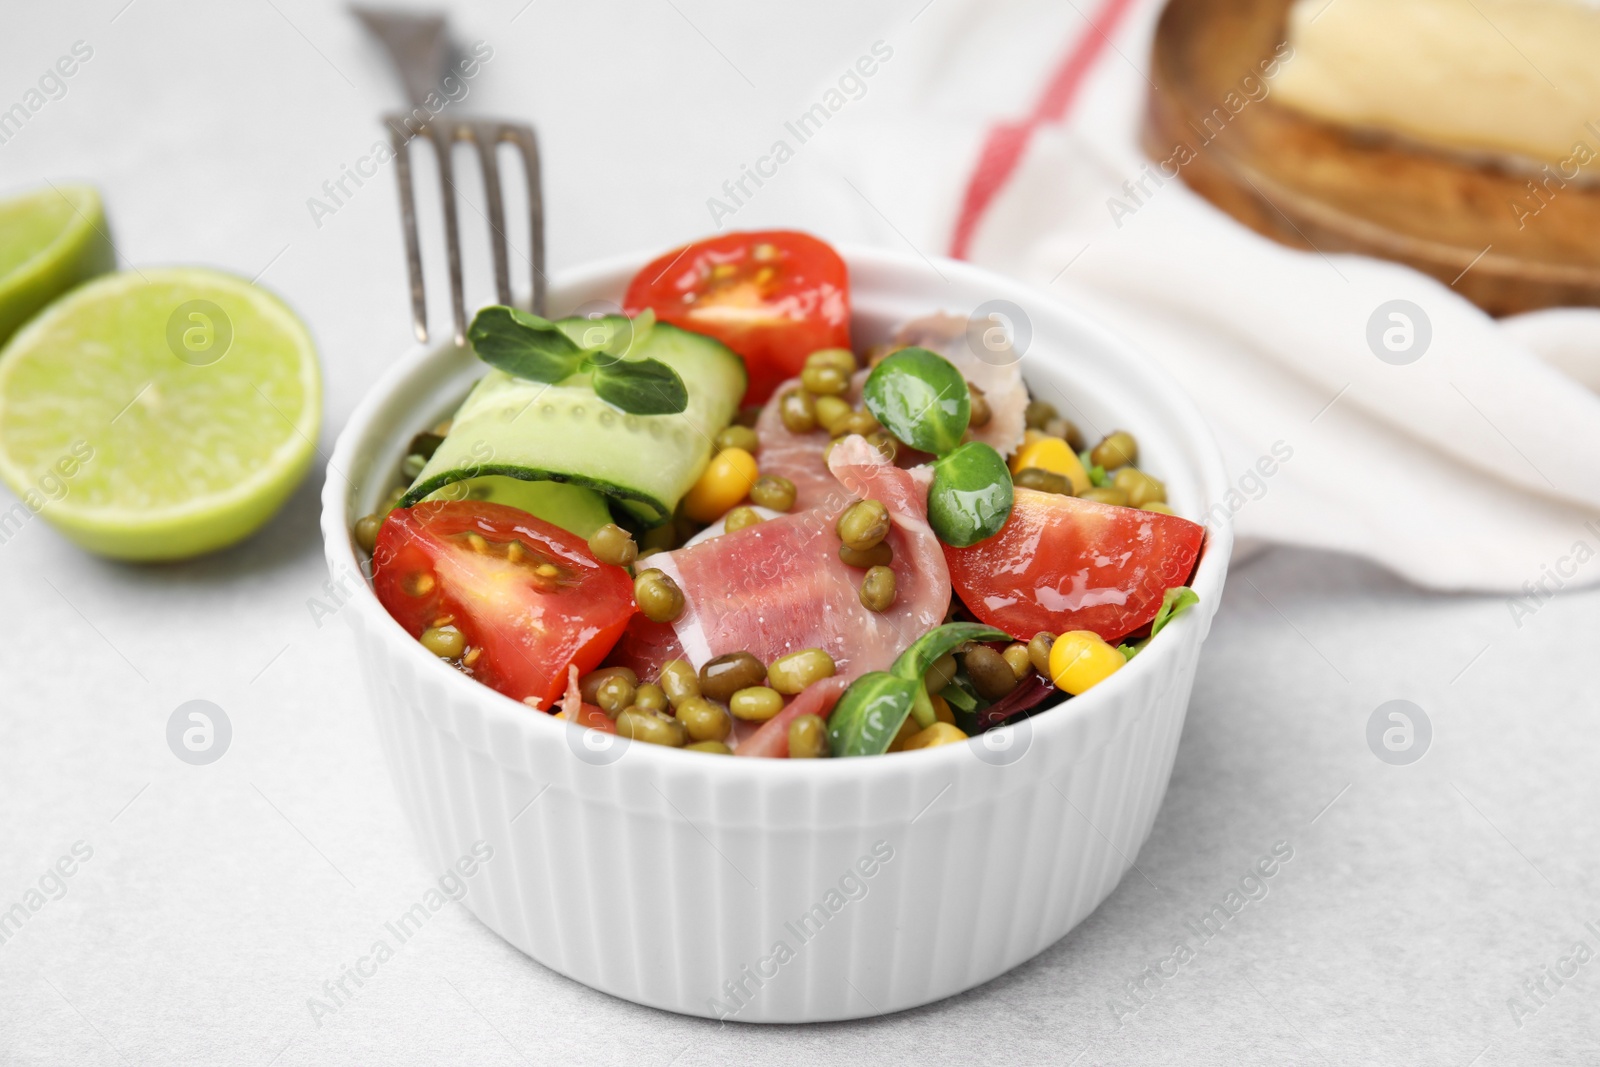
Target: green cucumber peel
534 348
870 714
971 495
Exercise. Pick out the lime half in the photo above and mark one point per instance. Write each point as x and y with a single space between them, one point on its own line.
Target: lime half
157 414
49 241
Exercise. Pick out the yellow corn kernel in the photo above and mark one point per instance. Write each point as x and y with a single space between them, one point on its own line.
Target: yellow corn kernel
940 733
941 709
1056 456
1030 436
726 481
908 730
1156 505
1081 660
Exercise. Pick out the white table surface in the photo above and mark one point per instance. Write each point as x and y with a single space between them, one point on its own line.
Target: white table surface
219 898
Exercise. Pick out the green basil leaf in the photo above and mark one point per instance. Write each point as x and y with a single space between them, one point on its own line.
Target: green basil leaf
914 662
640 386
971 495
870 713
523 345
921 398
1174 602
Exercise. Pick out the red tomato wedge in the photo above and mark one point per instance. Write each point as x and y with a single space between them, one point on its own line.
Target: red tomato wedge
774 297
1061 563
529 595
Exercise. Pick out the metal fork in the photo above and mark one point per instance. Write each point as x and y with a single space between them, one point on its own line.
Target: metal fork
419 46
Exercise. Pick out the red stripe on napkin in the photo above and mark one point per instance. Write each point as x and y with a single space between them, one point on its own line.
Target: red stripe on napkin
1003 148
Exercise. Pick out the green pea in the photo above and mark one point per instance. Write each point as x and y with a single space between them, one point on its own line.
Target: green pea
725 675
614 694
921 398
1119 449
825 380
1039 651
1107 494
878 589
808 737
798 411
679 681
885 443
1038 413
792 673
589 685
858 421
650 697
366 532
1140 487
840 359
716 748
1043 480
658 596
756 704
831 413
991 675
879 555
773 491
971 495
738 437
739 518
704 720
863 525
652 728
612 544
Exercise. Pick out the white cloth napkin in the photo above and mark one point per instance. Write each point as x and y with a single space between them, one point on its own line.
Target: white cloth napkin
1476 467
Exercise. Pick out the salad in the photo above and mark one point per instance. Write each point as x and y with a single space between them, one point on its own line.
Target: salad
707 522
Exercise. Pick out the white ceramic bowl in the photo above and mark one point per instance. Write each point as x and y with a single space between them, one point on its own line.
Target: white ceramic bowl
778 891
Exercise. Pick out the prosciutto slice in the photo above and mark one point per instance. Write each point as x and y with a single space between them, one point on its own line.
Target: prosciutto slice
780 586
998 373
797 456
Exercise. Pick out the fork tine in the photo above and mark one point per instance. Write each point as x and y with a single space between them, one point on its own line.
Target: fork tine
443 143
408 222
486 137
528 144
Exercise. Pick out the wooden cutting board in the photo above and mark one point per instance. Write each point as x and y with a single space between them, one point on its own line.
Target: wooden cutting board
1476 225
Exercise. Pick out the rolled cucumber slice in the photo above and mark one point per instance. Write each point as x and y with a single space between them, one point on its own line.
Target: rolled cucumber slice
524 429
571 507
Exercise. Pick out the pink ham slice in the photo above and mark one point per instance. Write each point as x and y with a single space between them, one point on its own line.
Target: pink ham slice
998 373
772 739
795 456
780 586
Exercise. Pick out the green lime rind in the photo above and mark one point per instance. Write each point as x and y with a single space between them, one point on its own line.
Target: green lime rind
144 433
50 241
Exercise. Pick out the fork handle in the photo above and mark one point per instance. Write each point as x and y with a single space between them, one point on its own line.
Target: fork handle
418 45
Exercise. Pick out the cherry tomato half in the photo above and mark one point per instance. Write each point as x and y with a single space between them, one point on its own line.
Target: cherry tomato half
528 597
774 297
1061 564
